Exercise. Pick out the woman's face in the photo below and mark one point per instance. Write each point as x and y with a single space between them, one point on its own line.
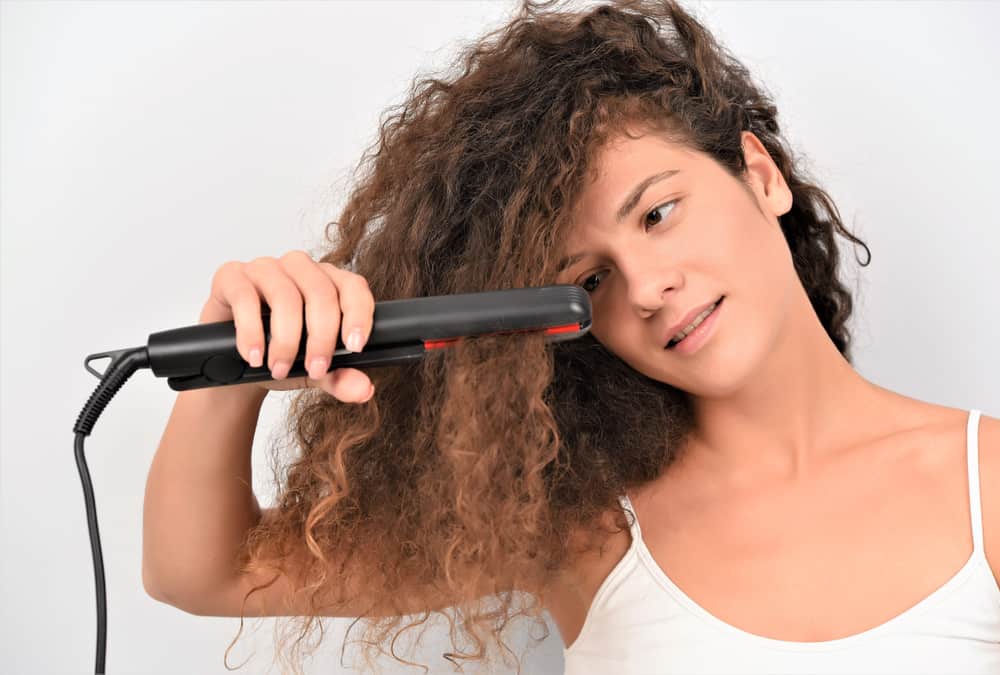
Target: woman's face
690 237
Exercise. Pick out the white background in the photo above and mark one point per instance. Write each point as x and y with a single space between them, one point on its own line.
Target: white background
146 143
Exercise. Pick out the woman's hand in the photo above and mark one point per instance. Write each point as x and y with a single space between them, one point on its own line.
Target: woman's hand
335 300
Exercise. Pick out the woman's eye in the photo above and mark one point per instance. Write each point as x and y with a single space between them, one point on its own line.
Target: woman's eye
672 201
583 285
647 228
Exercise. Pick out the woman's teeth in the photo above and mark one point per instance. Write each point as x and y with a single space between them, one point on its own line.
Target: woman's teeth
694 324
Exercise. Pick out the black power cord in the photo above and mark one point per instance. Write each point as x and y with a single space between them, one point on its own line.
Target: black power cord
124 362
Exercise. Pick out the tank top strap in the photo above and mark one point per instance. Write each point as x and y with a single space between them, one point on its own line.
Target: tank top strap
975 503
632 519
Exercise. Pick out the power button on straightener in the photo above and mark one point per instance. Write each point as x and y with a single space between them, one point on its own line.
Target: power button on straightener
223 369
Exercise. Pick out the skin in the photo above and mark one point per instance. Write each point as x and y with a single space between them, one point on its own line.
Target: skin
783 421
769 378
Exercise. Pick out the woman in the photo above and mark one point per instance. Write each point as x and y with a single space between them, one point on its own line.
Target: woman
815 521
795 517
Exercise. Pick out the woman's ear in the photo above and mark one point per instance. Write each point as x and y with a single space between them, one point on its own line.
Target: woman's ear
766 180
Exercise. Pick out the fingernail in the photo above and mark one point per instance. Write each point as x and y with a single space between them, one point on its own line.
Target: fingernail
280 370
317 367
354 340
256 359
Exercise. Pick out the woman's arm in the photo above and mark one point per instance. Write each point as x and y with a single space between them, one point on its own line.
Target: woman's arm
199 502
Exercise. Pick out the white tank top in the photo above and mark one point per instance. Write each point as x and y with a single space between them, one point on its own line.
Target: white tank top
640 622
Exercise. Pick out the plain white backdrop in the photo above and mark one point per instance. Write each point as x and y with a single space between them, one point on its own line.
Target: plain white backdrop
146 143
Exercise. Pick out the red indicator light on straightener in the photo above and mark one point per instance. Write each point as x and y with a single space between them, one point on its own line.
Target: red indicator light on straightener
552 330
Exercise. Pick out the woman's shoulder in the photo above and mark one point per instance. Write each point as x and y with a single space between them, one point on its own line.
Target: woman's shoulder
950 425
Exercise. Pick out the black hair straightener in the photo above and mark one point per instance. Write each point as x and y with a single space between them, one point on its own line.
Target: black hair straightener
205 355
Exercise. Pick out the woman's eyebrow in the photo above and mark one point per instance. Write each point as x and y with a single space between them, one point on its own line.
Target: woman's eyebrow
633 199
627 206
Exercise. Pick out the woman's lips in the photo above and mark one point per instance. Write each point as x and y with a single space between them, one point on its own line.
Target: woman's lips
695 338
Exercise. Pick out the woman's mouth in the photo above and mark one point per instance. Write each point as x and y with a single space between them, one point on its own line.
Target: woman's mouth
691 341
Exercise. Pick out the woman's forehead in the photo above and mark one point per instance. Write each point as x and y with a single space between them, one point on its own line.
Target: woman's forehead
621 150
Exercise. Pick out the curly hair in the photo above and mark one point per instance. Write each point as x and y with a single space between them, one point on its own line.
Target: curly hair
490 465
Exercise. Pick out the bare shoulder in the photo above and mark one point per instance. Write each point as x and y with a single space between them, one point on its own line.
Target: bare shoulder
946 427
989 484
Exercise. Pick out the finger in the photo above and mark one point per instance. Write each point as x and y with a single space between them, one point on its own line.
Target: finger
322 310
232 289
285 301
356 303
349 385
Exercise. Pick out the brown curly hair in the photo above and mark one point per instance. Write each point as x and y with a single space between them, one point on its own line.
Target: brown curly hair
469 469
